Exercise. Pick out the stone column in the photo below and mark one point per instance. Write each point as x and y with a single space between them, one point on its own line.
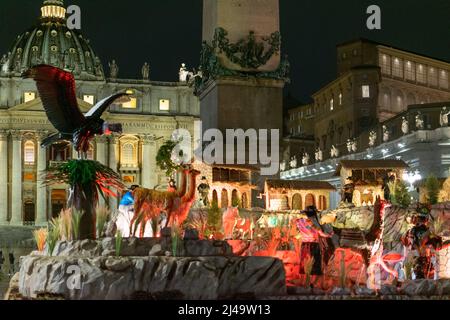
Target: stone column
3 177
16 186
149 178
41 189
100 150
113 145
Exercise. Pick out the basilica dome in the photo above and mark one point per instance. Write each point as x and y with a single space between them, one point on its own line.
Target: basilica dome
51 42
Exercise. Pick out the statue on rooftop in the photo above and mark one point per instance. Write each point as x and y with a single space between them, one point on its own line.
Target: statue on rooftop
145 71
372 138
319 155
420 124
405 126
443 119
184 73
334 153
386 133
114 69
305 159
293 163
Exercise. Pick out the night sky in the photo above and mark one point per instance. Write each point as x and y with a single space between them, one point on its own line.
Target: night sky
166 33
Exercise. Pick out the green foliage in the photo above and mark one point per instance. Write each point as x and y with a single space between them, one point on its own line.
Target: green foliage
164 158
53 235
103 214
119 240
433 187
214 219
76 218
399 194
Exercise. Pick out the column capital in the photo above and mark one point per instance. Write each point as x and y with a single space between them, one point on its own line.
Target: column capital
114 138
16 135
101 139
3 135
147 139
41 135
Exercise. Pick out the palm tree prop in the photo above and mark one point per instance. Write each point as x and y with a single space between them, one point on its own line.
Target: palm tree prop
87 179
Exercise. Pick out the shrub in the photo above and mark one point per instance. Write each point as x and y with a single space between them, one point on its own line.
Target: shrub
214 220
399 194
40 236
76 218
53 235
102 216
433 187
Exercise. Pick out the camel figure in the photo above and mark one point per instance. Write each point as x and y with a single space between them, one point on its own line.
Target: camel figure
149 204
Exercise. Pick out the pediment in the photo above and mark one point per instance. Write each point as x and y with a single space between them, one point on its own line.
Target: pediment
36 105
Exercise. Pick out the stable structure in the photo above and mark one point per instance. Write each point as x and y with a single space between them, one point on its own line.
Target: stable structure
282 195
367 177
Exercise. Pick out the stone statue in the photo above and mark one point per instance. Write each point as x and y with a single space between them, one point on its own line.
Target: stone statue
385 133
98 65
349 145
354 146
114 69
283 166
293 163
420 124
145 71
305 159
4 59
372 138
443 119
334 153
405 126
319 155
184 73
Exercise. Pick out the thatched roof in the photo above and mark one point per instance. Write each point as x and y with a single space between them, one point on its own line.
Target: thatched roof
371 164
299 185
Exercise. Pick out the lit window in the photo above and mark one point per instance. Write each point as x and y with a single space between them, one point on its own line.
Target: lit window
340 99
89 98
397 68
132 104
409 71
29 152
331 104
421 75
164 105
366 91
128 154
443 79
385 63
29 96
432 77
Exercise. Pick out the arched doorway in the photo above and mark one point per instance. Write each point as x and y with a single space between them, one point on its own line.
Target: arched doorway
322 203
29 212
58 198
284 203
310 200
224 199
215 198
235 199
297 202
244 200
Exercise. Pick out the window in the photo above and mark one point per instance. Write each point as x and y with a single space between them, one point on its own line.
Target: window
128 154
385 63
397 68
421 75
410 71
132 104
340 99
432 77
29 96
164 105
29 152
386 100
89 99
366 91
331 104
443 79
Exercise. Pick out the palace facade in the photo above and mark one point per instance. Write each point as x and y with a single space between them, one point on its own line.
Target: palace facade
156 109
